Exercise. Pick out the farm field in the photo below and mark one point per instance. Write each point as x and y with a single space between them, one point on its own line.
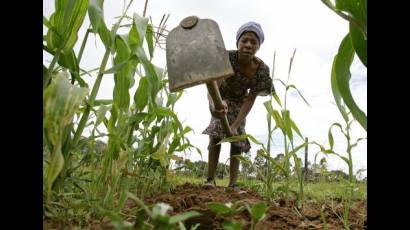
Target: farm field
322 210
121 162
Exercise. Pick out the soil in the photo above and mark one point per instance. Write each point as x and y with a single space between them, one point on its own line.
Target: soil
282 213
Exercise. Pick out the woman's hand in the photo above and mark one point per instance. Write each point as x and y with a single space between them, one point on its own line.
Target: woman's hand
220 113
234 130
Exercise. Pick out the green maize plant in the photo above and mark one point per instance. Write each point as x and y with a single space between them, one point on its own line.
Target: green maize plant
275 168
355 42
61 37
284 122
61 99
63 26
350 184
151 218
142 129
154 218
256 212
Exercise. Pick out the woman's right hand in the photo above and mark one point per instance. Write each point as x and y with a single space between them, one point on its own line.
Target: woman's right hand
221 113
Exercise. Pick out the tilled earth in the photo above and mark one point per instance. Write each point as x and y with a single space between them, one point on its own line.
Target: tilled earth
282 214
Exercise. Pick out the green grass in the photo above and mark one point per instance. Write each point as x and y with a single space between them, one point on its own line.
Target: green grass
314 191
177 180
328 190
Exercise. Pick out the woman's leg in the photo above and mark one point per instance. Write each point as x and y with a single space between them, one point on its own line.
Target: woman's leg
213 156
234 164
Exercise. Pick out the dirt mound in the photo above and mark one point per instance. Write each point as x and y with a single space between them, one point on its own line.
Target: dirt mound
282 214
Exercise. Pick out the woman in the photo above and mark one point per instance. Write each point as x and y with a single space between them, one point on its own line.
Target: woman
238 92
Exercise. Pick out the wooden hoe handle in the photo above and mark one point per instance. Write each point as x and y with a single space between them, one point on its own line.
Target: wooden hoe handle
216 98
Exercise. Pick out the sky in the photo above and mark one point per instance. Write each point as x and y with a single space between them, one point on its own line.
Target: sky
305 25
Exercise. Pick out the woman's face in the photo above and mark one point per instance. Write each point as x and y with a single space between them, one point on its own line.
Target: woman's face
248 44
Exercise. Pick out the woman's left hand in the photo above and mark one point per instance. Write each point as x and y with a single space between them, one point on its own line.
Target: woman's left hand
234 130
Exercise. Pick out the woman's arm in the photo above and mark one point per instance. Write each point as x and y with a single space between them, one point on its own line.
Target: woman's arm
246 107
214 112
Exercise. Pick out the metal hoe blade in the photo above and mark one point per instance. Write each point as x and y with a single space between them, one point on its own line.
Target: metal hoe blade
196 54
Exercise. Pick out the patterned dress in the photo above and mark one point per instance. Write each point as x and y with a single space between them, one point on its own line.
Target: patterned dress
234 90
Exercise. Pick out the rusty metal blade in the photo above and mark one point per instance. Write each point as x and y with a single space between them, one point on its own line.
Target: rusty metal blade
196 54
